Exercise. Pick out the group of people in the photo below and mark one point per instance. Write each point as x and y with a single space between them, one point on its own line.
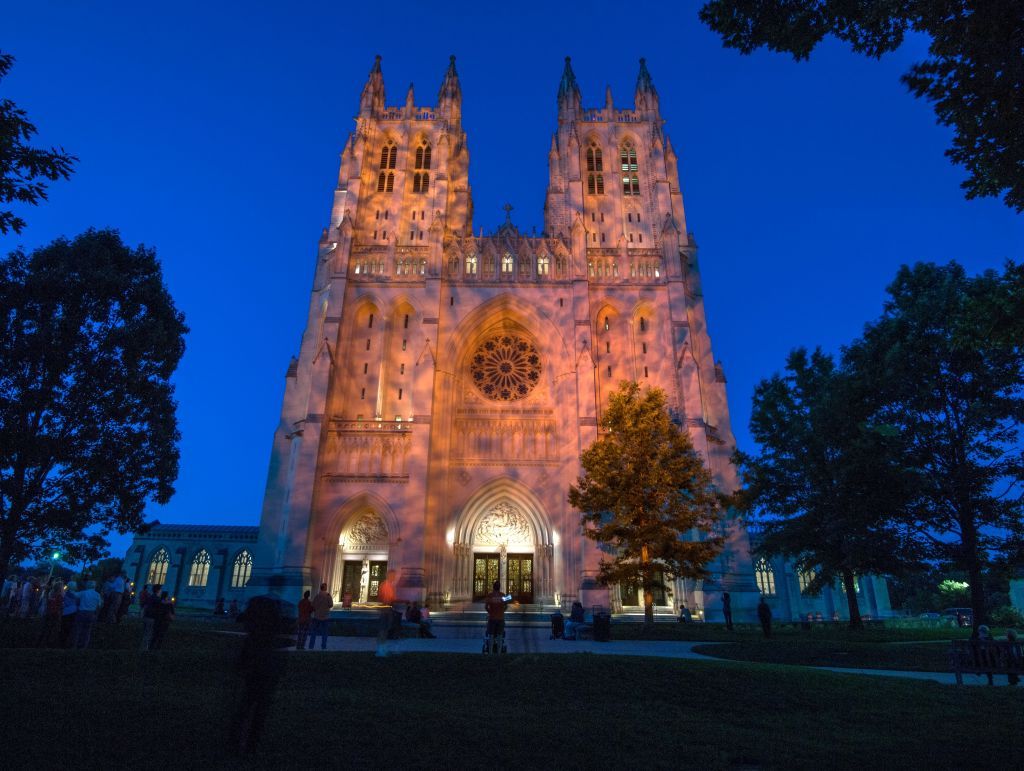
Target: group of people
69 613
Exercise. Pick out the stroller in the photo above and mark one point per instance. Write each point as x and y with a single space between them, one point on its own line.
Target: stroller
557 626
495 643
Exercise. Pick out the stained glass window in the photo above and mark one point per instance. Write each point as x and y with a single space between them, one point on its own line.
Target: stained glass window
242 570
200 572
158 567
505 368
765 577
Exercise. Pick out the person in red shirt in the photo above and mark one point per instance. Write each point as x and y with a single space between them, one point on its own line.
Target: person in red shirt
495 604
305 614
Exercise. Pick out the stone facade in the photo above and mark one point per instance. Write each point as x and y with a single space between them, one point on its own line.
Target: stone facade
448 380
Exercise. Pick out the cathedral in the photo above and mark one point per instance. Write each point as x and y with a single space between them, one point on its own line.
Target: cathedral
448 380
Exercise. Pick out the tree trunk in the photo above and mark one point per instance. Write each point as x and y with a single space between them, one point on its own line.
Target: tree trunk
648 594
974 575
851 600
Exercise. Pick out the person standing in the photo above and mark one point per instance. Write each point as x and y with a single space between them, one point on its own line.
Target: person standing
727 610
385 596
305 614
322 605
269 623
69 609
163 616
149 614
88 608
764 615
495 604
1014 656
52 616
112 599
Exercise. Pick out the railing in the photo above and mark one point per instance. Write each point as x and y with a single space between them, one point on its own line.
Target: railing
380 426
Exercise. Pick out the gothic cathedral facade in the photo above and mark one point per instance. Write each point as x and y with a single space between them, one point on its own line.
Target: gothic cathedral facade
448 381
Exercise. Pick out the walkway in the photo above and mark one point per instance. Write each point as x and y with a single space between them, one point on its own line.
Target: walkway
535 639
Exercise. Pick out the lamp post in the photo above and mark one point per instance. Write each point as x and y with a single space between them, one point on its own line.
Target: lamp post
53 562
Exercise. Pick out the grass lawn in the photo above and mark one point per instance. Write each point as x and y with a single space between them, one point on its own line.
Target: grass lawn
922 657
742 632
113 707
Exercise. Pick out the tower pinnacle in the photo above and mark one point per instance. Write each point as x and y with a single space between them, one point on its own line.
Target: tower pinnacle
569 96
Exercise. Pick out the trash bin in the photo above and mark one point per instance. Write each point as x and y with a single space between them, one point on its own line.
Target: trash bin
602 627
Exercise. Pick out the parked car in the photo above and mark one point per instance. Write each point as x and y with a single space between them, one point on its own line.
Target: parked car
959 616
929 616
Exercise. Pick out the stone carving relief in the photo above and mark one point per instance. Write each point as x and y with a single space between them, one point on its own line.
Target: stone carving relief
503 525
504 439
369 530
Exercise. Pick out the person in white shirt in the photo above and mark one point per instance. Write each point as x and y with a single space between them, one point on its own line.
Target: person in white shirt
88 606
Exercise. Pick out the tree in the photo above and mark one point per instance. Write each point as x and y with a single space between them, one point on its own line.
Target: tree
89 338
827 484
643 491
958 408
974 74
23 168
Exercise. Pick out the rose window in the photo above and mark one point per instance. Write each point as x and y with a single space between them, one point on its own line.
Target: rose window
505 368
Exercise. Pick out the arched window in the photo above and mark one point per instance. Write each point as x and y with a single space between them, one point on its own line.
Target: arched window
158 567
423 155
765 577
595 165
389 155
242 569
488 265
506 263
806 577
543 265
643 324
421 182
471 265
390 184
200 571
630 179
382 179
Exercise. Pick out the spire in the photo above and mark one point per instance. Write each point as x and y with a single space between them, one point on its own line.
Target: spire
646 96
372 99
569 96
609 103
449 98
410 101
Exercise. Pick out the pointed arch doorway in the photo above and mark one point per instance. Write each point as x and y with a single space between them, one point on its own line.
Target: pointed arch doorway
503 536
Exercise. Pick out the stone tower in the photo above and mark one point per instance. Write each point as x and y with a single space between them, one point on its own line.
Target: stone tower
447 382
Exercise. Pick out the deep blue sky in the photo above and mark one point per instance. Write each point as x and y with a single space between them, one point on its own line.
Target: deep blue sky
211 131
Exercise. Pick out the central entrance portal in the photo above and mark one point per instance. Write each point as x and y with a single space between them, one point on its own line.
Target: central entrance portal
518 574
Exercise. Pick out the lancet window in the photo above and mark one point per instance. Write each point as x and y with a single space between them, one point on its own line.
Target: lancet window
471 262
506 263
630 176
241 570
200 572
158 565
543 265
595 165
765 577
421 177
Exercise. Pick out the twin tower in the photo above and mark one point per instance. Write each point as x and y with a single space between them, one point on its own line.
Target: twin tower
448 381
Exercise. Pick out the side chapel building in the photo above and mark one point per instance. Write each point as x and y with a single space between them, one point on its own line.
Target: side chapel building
447 381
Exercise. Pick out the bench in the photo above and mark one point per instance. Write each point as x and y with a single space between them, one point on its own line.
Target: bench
985 657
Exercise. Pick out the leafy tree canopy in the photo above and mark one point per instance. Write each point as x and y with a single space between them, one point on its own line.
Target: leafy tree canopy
23 168
956 397
89 339
828 486
974 74
644 491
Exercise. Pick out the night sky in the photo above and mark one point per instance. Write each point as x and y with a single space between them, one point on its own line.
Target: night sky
212 131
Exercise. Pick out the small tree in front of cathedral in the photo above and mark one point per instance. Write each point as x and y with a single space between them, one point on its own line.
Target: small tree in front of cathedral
644 490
